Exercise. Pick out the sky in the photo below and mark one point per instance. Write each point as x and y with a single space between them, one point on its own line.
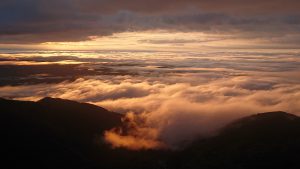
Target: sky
95 24
178 70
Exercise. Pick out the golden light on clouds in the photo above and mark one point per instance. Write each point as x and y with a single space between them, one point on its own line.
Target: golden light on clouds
152 40
158 40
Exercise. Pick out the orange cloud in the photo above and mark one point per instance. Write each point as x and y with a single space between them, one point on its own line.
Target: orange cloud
131 142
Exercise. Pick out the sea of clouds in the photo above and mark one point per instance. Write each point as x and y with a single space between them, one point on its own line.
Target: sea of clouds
170 101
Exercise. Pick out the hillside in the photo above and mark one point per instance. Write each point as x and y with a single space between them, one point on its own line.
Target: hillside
56 134
266 140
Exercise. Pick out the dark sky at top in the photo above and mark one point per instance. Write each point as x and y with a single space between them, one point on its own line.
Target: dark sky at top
35 21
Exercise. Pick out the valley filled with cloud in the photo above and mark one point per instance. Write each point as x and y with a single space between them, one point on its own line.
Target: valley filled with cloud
169 99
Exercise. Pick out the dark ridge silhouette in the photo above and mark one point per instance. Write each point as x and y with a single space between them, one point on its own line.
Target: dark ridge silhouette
266 140
52 133
58 134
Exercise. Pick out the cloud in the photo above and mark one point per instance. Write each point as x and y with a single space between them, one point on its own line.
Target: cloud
130 142
180 113
137 137
179 41
163 115
36 21
171 102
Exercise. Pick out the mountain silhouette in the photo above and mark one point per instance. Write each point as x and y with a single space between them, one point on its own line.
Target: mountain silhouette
52 133
56 134
266 140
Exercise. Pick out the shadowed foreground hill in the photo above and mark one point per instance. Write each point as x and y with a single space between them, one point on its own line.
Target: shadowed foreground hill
267 140
56 133
52 133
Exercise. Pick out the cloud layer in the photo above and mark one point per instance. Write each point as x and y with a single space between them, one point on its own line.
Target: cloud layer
169 98
35 21
161 114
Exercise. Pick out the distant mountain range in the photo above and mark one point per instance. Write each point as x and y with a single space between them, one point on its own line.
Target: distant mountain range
58 134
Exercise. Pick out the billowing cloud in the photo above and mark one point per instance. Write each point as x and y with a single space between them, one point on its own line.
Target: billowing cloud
137 137
130 142
171 115
171 98
181 113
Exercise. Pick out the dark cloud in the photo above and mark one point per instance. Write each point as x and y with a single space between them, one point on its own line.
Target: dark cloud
35 74
179 41
229 6
34 21
35 68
